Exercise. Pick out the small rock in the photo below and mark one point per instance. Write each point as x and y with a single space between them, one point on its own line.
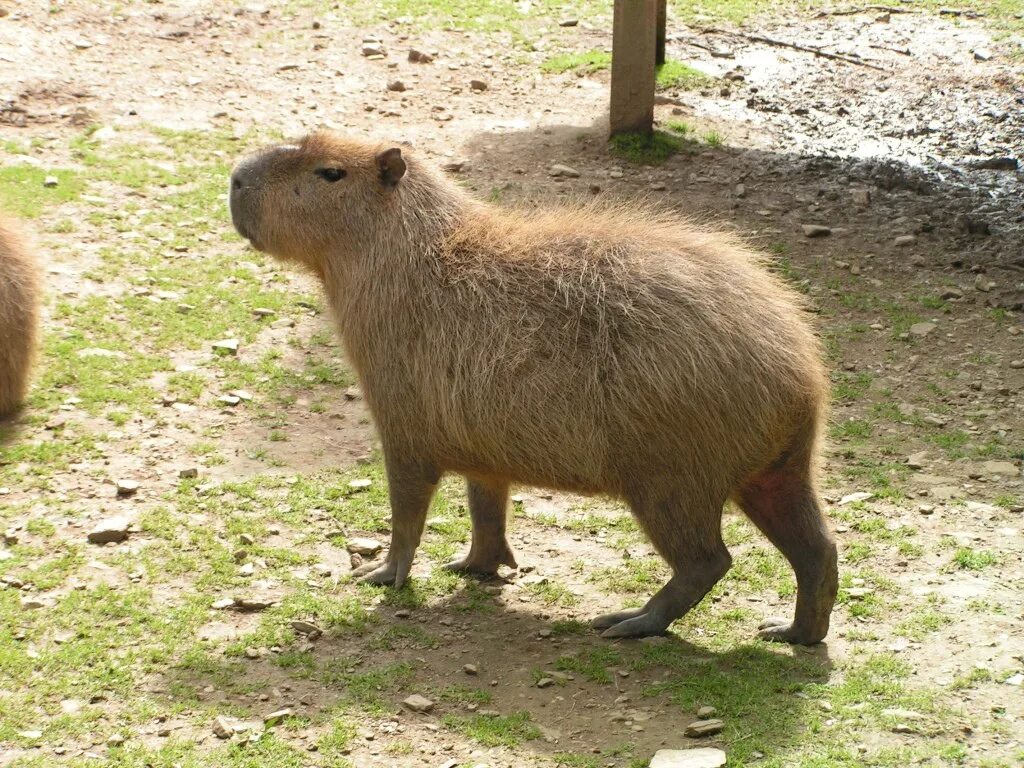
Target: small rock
1017 363
419 57
861 197
917 460
353 393
926 509
850 498
470 669
284 322
110 531
115 740
225 347
276 717
983 284
396 85
921 329
247 570
816 230
32 603
373 49
51 181
568 22
699 728
1005 468
188 472
904 240
563 171
222 727
306 628
951 293
403 613
705 757
363 546
418 703
263 312
478 85
246 540
982 54
360 484
997 164
545 682
706 712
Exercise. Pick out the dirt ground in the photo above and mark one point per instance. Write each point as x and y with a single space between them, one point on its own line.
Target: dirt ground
906 149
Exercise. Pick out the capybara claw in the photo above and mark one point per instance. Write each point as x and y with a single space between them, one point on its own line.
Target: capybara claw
390 572
644 625
779 630
611 619
481 566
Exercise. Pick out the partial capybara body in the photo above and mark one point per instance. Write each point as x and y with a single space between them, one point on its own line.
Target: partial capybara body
612 351
19 316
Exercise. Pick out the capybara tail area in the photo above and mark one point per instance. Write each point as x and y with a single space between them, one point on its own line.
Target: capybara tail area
782 502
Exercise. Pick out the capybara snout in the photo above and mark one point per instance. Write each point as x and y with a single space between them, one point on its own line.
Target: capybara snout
613 350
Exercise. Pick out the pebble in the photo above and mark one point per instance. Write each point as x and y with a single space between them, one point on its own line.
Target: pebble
353 393
921 329
396 85
705 757
545 682
418 703
917 460
904 240
816 230
470 669
362 546
222 727
705 712
478 85
32 603
225 347
850 498
110 531
373 49
419 57
276 717
51 181
699 728
126 487
926 509
563 171
861 197
306 628
568 22
951 293
1017 363
188 472
360 484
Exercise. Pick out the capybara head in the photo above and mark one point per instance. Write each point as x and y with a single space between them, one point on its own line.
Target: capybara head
295 201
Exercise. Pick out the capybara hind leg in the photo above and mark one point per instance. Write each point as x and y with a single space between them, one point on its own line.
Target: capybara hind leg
782 503
411 485
693 548
488 502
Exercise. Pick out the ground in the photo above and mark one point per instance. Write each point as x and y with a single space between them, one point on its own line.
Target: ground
118 125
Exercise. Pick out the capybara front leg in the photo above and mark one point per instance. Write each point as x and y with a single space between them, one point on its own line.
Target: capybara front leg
689 537
410 487
488 503
679 595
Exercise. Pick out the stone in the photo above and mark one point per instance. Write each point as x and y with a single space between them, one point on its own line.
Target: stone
419 57
920 330
705 712
284 322
704 757
225 347
32 603
904 240
545 682
110 531
222 727
982 54
478 85
1006 468
700 728
50 181
926 509
396 85
418 703
851 498
816 230
306 628
951 293
353 393
563 171
276 717
568 22
861 197
917 460
188 472
360 484
373 49
470 669
1017 363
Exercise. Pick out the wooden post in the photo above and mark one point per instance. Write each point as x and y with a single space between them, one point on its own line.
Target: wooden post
633 52
659 50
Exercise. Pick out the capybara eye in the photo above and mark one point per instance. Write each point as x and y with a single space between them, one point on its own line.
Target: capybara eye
331 174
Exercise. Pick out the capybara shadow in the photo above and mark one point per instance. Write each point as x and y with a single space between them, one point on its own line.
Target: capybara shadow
19 316
610 349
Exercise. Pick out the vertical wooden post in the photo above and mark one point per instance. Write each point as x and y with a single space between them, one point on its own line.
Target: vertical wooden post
633 51
659 49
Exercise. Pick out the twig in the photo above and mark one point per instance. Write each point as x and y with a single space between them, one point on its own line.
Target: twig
862 9
795 47
901 51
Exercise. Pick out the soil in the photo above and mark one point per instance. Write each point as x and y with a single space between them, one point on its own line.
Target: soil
889 158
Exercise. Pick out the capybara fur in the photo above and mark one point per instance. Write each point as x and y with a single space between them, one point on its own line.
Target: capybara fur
19 316
609 350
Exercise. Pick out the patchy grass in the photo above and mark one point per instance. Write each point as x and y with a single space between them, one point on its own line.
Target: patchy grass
494 730
585 62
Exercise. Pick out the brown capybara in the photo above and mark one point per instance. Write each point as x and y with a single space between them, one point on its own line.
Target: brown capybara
19 316
610 351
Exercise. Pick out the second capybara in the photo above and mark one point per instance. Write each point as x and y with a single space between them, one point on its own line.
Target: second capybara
19 316
608 350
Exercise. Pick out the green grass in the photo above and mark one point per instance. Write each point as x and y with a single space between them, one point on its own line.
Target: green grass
23 194
585 62
494 731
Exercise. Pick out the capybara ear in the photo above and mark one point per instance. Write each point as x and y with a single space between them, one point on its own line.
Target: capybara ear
391 166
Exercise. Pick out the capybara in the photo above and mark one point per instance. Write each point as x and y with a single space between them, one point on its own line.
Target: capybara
595 350
19 316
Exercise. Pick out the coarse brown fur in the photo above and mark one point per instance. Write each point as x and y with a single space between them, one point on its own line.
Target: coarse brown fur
19 316
596 349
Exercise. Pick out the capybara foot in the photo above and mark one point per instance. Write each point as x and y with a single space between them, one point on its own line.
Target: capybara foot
635 622
393 571
485 565
779 630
